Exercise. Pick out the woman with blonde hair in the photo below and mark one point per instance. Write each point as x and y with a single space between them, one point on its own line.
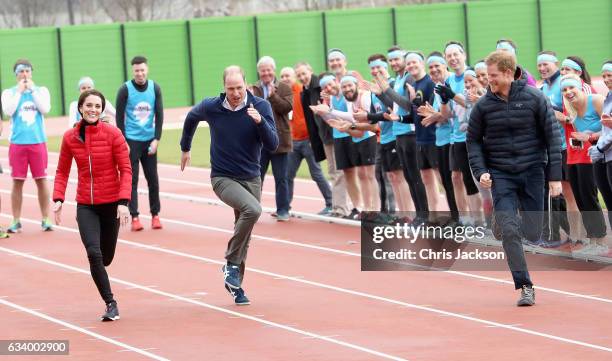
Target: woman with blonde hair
582 130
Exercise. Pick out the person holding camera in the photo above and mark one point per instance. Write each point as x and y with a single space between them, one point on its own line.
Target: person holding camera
582 129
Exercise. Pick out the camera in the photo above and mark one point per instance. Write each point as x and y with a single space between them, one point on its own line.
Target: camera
576 143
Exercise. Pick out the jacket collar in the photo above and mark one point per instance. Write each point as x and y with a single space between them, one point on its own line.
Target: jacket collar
515 87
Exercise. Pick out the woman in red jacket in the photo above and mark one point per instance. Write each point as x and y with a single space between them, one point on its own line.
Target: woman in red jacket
103 190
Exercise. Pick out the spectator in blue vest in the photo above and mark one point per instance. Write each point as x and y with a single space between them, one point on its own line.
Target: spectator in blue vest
140 117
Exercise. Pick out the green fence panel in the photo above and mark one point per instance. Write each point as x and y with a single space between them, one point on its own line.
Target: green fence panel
165 45
519 23
437 24
94 51
40 46
579 28
360 33
290 38
217 43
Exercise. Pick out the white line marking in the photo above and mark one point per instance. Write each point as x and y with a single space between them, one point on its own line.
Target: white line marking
81 329
319 248
206 305
442 313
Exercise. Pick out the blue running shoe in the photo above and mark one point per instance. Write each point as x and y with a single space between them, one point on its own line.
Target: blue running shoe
239 297
15 227
231 274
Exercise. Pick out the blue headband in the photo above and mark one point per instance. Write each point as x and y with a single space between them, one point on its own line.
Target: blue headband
547 58
436 59
85 80
326 79
454 47
480 65
506 46
335 54
349 78
396 54
566 82
20 67
571 64
378 62
470 72
606 67
414 56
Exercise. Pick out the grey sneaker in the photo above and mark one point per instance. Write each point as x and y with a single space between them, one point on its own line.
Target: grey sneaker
527 296
112 312
282 217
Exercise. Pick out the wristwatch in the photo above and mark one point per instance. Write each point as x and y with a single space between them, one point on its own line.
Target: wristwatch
353 126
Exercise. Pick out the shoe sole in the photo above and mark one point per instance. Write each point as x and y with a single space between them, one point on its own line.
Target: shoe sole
157 227
137 230
14 232
47 229
109 319
525 304
243 304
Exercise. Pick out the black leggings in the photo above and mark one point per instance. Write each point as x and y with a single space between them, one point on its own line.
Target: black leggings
582 180
407 151
447 179
99 228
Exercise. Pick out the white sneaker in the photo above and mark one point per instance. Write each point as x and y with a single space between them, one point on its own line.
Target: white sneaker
585 250
601 250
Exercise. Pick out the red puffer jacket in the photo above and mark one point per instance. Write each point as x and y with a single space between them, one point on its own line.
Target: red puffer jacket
103 164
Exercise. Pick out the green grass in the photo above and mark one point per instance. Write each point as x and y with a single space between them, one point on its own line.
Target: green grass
169 151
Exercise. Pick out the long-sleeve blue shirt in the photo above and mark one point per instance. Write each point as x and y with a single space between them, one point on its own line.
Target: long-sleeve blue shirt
236 140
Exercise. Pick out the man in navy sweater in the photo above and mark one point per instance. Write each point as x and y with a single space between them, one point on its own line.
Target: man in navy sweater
240 125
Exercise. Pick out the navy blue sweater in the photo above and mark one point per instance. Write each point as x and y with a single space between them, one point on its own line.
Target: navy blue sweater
235 139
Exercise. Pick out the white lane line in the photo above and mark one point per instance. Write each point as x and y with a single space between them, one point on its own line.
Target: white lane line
439 312
71 326
206 305
208 185
344 253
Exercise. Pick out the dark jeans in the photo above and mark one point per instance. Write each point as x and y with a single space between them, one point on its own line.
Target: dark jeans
303 150
511 192
280 165
139 154
601 171
99 228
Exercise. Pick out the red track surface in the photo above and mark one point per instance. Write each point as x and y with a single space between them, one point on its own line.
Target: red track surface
309 299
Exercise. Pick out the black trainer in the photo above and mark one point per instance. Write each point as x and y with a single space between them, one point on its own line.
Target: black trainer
527 296
112 312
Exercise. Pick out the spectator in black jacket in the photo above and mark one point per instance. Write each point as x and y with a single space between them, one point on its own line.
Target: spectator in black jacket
321 139
513 140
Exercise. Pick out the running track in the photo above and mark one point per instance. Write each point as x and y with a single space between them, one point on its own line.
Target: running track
309 299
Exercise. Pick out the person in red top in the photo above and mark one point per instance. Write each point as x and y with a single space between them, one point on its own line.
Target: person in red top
103 191
301 144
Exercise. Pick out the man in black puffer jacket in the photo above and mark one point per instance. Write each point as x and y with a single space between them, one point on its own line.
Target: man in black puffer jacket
514 145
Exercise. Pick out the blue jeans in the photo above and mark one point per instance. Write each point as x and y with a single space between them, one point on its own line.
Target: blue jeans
279 170
512 192
302 150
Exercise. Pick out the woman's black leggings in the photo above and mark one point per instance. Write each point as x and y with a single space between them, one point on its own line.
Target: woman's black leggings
99 228
582 180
